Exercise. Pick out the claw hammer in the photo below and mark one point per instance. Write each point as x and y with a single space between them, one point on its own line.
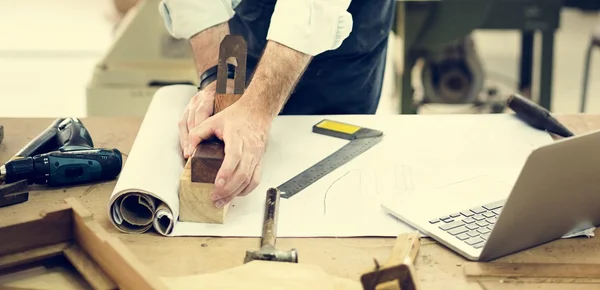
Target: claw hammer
267 250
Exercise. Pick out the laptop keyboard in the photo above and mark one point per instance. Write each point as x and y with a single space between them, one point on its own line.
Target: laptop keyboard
472 226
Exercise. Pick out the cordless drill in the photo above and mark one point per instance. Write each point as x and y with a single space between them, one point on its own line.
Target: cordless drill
75 161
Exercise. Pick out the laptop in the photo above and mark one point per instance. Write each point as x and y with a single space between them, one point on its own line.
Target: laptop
482 218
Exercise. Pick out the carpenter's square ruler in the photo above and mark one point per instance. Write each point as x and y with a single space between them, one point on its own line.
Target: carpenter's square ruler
360 138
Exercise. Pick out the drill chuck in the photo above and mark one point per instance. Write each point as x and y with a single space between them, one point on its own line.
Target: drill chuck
18 169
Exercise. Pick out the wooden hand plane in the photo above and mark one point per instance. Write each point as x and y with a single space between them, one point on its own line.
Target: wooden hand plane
198 178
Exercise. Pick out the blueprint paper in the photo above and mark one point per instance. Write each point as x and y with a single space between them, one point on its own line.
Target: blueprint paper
417 151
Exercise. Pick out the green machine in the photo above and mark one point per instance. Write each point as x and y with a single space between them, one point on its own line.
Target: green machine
438 32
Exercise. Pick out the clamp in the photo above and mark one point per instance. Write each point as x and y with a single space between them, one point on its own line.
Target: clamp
398 272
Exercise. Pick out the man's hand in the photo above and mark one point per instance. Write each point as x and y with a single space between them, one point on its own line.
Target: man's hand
244 129
244 126
205 47
199 108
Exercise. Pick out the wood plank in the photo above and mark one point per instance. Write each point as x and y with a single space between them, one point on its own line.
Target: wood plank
206 161
47 229
195 204
532 270
198 177
18 288
266 275
33 255
112 255
89 269
46 278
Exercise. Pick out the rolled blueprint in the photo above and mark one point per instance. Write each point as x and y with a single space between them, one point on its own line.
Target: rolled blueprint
145 195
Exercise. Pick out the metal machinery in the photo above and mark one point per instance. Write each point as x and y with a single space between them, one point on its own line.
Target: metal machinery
453 75
438 32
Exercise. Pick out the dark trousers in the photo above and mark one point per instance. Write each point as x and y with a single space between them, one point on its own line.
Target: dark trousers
347 80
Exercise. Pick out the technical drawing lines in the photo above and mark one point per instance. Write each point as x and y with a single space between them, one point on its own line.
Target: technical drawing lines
403 176
336 181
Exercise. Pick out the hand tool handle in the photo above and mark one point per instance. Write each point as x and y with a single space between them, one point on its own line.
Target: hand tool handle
73 135
232 46
44 142
536 115
77 167
14 193
269 233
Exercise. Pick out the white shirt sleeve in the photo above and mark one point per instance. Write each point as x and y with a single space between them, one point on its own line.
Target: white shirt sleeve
310 26
185 18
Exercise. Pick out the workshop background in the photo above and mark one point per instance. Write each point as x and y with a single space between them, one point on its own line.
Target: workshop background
50 48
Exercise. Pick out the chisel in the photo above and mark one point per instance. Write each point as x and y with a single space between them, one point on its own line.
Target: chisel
536 115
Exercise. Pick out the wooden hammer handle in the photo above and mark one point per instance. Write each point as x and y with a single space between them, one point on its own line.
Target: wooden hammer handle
269 234
232 46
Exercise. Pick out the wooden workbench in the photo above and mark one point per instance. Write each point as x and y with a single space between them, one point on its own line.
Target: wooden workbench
437 267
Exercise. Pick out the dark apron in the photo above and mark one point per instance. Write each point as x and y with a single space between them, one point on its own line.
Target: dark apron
347 80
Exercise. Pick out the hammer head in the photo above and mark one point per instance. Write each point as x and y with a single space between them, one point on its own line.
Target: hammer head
270 254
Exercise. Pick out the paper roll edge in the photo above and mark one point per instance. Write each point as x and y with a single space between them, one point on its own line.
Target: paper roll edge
162 206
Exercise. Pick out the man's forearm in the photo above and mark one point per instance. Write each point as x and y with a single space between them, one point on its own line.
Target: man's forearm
276 75
205 46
